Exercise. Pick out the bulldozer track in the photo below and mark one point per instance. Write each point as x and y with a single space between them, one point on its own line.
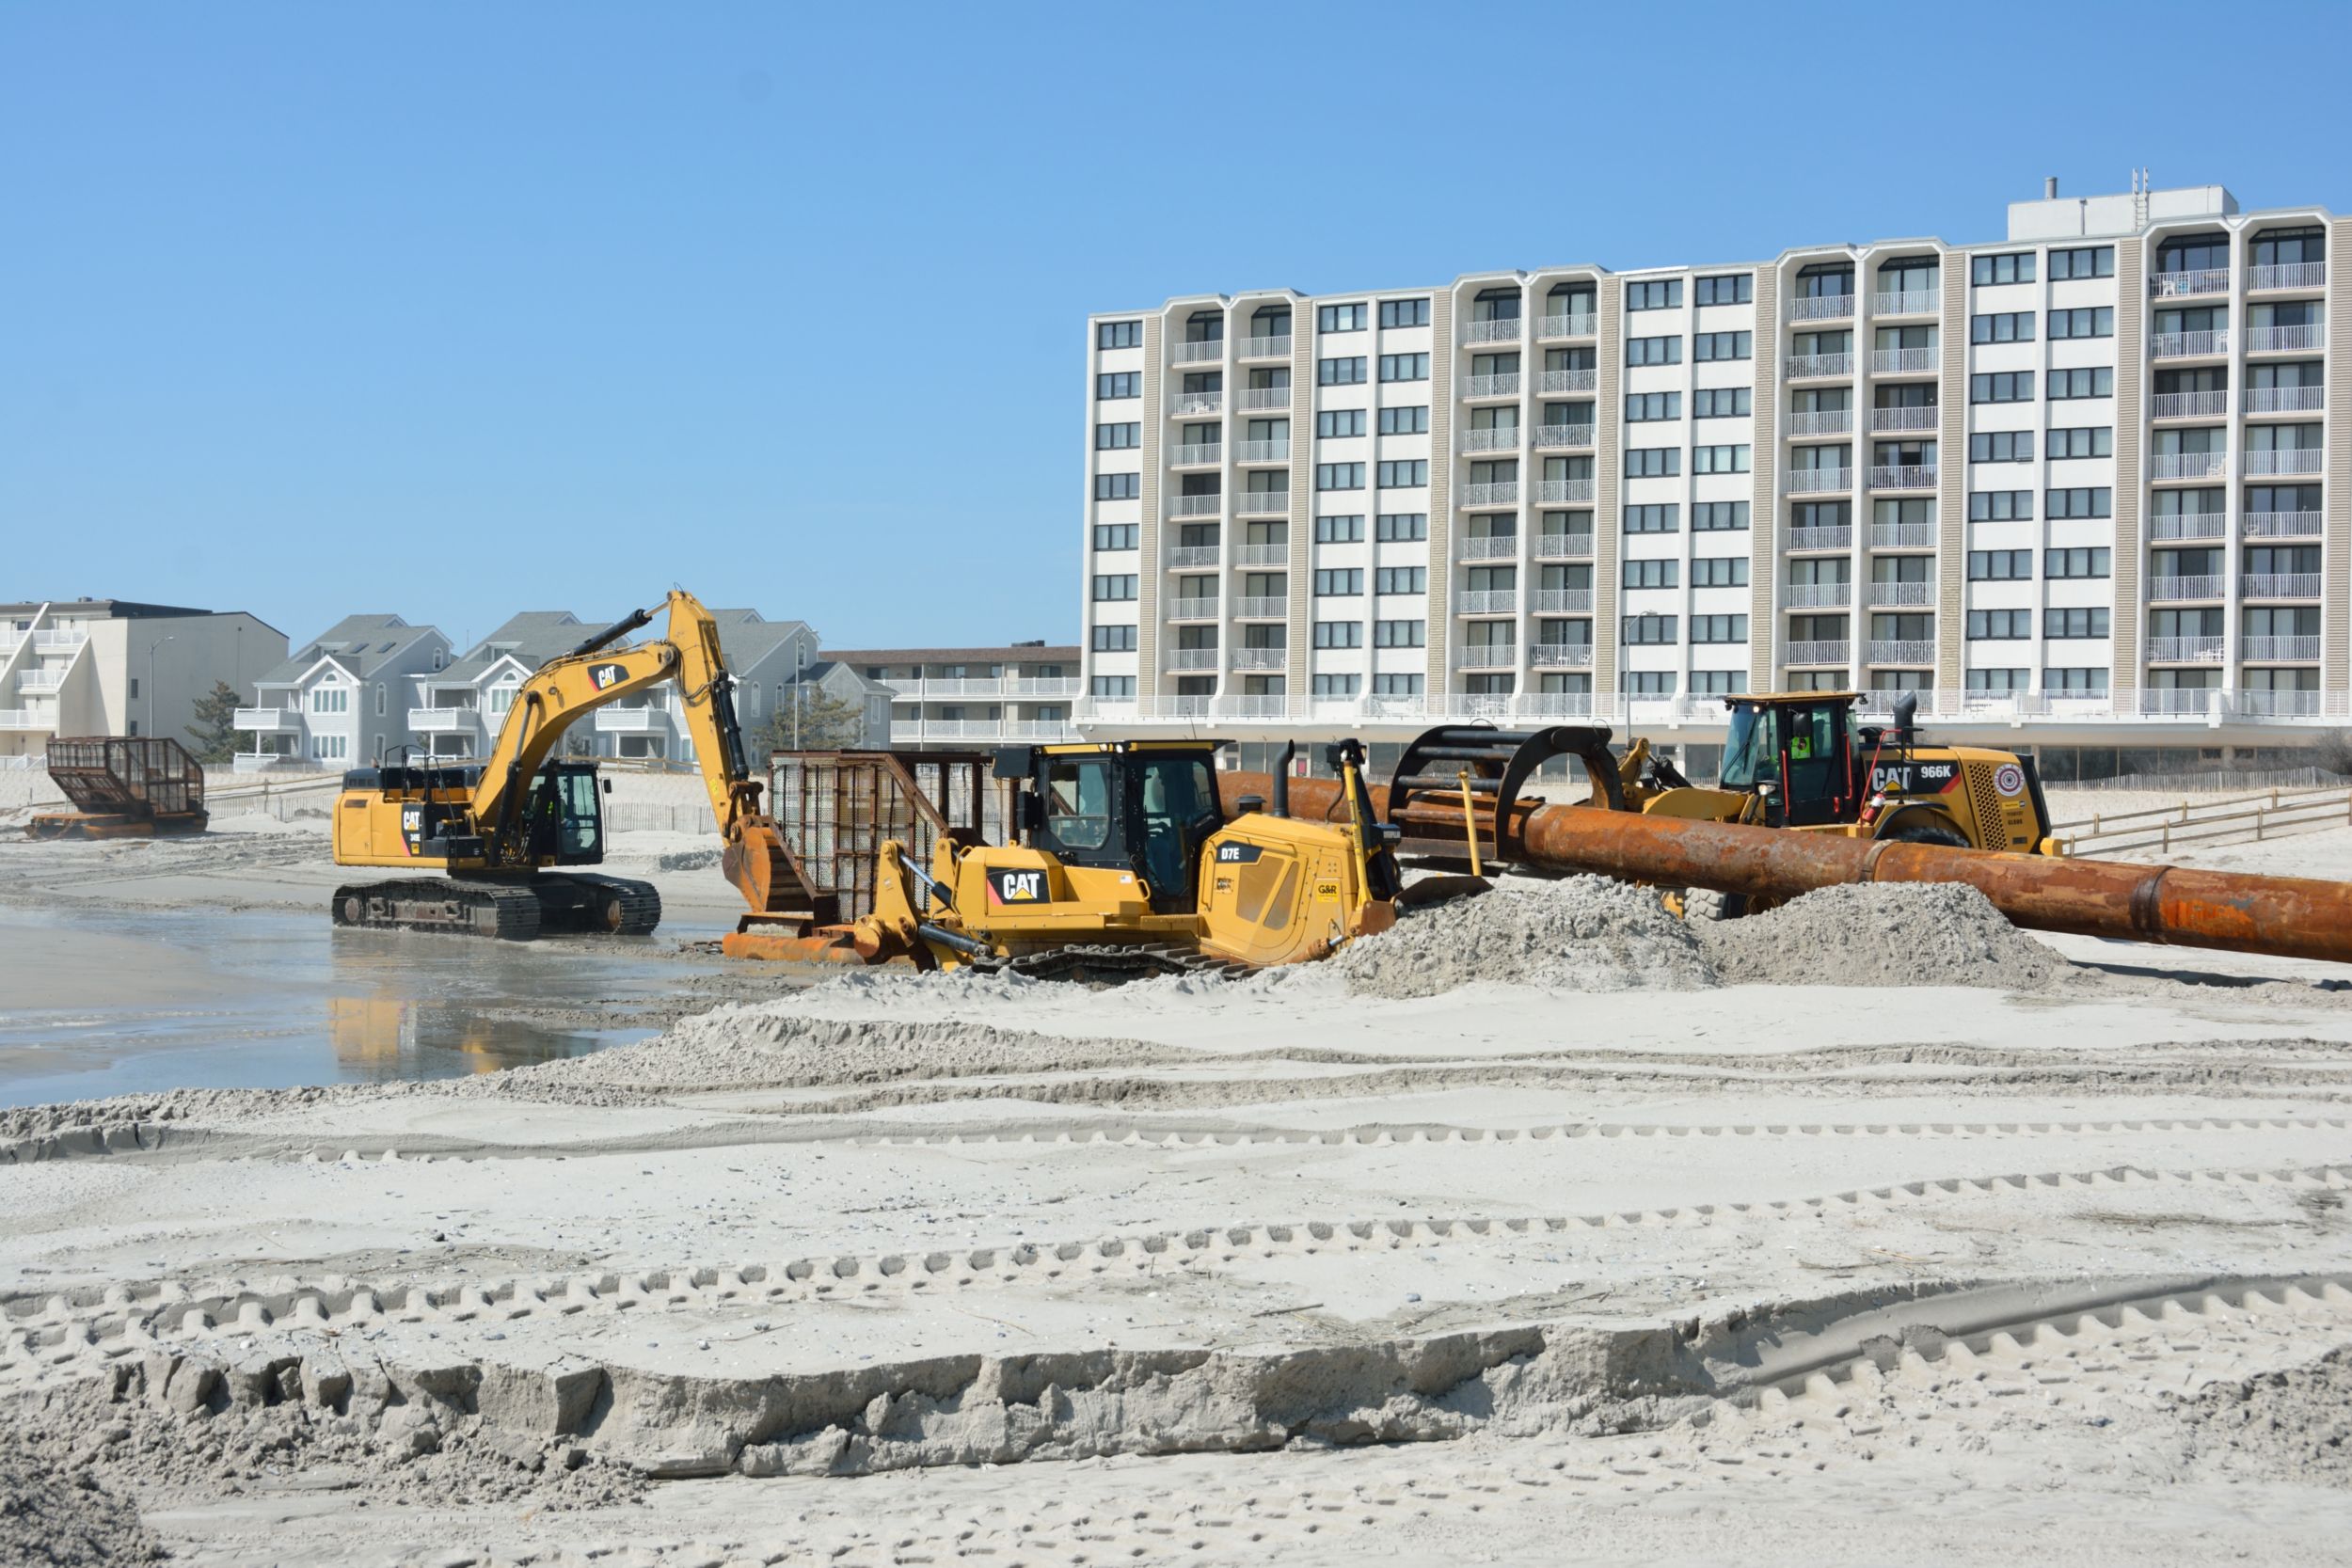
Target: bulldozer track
1117 963
52 1335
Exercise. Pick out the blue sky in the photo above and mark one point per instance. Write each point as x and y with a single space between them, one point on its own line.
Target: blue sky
450 311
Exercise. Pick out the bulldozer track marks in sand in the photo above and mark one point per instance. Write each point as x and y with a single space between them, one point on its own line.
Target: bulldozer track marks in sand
124 1140
49 1336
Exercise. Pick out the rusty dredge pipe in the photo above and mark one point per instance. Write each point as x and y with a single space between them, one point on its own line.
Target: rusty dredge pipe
2298 917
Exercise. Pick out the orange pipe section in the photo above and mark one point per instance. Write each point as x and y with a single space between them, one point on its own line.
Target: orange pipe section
2297 917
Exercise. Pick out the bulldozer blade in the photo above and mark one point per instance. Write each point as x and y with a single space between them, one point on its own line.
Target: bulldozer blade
1429 891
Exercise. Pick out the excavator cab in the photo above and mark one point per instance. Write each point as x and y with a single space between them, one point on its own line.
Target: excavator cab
1795 753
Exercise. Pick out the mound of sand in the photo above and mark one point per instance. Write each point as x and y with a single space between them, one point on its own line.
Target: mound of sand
54 1511
1893 934
2292 1425
1584 933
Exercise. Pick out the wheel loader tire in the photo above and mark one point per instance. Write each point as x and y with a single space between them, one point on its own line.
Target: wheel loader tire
1705 903
1928 833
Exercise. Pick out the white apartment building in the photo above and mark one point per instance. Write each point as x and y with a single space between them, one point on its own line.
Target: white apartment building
83 666
961 698
2082 490
341 700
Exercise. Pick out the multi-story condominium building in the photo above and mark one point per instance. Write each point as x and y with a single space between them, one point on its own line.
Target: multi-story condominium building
342 699
78 667
2085 489
952 698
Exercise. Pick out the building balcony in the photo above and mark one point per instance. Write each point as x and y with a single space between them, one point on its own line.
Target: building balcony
1043 732
1561 601
2279 650
1560 656
1262 503
28 717
1181 706
1037 688
2276 460
1195 506
1903 476
58 641
2177 589
2284 399
268 720
1903 536
1261 451
1497 493
1819 482
1553 705
1191 659
1888 422
1192 558
1906 302
1262 607
1261 658
1488 656
2196 280
1821 422
1562 438
1902 361
1501 329
2276 704
2279 525
2187 345
633 721
1816 367
1560 492
2188 405
2188 525
1840 652
1489 546
1496 438
1191 405
1820 595
1820 307
261 762
1267 348
2290 274
1887 594
1552 382
1581 323
2180 702
1262 705
1192 607
1804 540
47 679
1277 554
2279 585
1197 455
1908 650
2185 650
2284 340
1564 546
965 685
2188 465
1260 400
1504 386
447 720
1487 601
1206 351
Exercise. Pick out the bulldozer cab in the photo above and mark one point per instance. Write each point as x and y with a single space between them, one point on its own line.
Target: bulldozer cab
1795 751
1142 807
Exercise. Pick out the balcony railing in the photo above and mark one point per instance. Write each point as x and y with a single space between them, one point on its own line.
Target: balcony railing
1884 421
53 641
1906 650
965 685
267 719
443 720
1820 307
28 717
2283 340
1039 688
1261 504
1563 547
1501 329
2202 586
2180 702
1496 438
2279 585
1903 536
1257 400
1550 383
1903 476
1185 405
2188 405
1488 655
1185 706
1191 659
1262 451
1504 385
1561 601
1261 658
1820 595
1817 481
2196 280
1206 351
1560 656
1496 492
1905 302
1803 367
1560 491
49 679
2276 704
1192 607
1185 558
2289 274
1262 607
2281 525
1885 593
1554 704
2185 650
261 762
2187 345
1262 555
2284 399
1574 323
1267 348
2188 465
1490 546
1487 601
2188 525
1821 422
2283 460
2289 650
1561 438
1259 706
1840 651
1197 455
631 720
1902 361
1195 506
1839 538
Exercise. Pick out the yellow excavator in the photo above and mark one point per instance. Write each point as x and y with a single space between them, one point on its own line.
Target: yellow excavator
1127 866
511 834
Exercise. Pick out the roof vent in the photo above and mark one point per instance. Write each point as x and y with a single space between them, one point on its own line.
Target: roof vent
2049 188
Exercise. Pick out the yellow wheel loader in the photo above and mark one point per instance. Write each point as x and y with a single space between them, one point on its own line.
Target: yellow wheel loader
1127 867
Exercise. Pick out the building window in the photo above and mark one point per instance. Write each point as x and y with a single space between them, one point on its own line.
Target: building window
1340 318
1654 518
1340 531
1725 289
1653 351
1719 460
1404 313
1719 628
1404 367
1405 421
2075 623
2081 441
1999 506
2093 501
2078 682
1712 346
2002 387
379 699
2094 322
1338 686
1119 384
1117 536
1112 686
1721 403
1999 626
326 748
1645 630
1640 407
1654 295
1403 473
1719 571
1338 581
1651 574
1402 527
1398 686
1117 586
2092 562
2082 262
1341 372
1338 476
2008 326
2002 446
1340 423
1117 438
1400 634
1119 335
1401 579
1115 640
1999 566
1652 462
1118 488
330 699
2090 381
2010 267
1339 634
1718 516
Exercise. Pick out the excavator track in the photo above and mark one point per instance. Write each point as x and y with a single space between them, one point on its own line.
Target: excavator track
1116 963
510 911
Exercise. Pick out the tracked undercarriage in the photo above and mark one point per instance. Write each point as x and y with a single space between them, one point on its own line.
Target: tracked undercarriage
514 910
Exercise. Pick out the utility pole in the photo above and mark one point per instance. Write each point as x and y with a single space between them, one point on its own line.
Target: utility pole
151 680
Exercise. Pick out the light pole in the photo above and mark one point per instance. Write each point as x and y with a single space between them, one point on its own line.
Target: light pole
151 680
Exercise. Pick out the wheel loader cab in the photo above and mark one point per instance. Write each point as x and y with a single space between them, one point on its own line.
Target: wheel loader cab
1798 753
1146 809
